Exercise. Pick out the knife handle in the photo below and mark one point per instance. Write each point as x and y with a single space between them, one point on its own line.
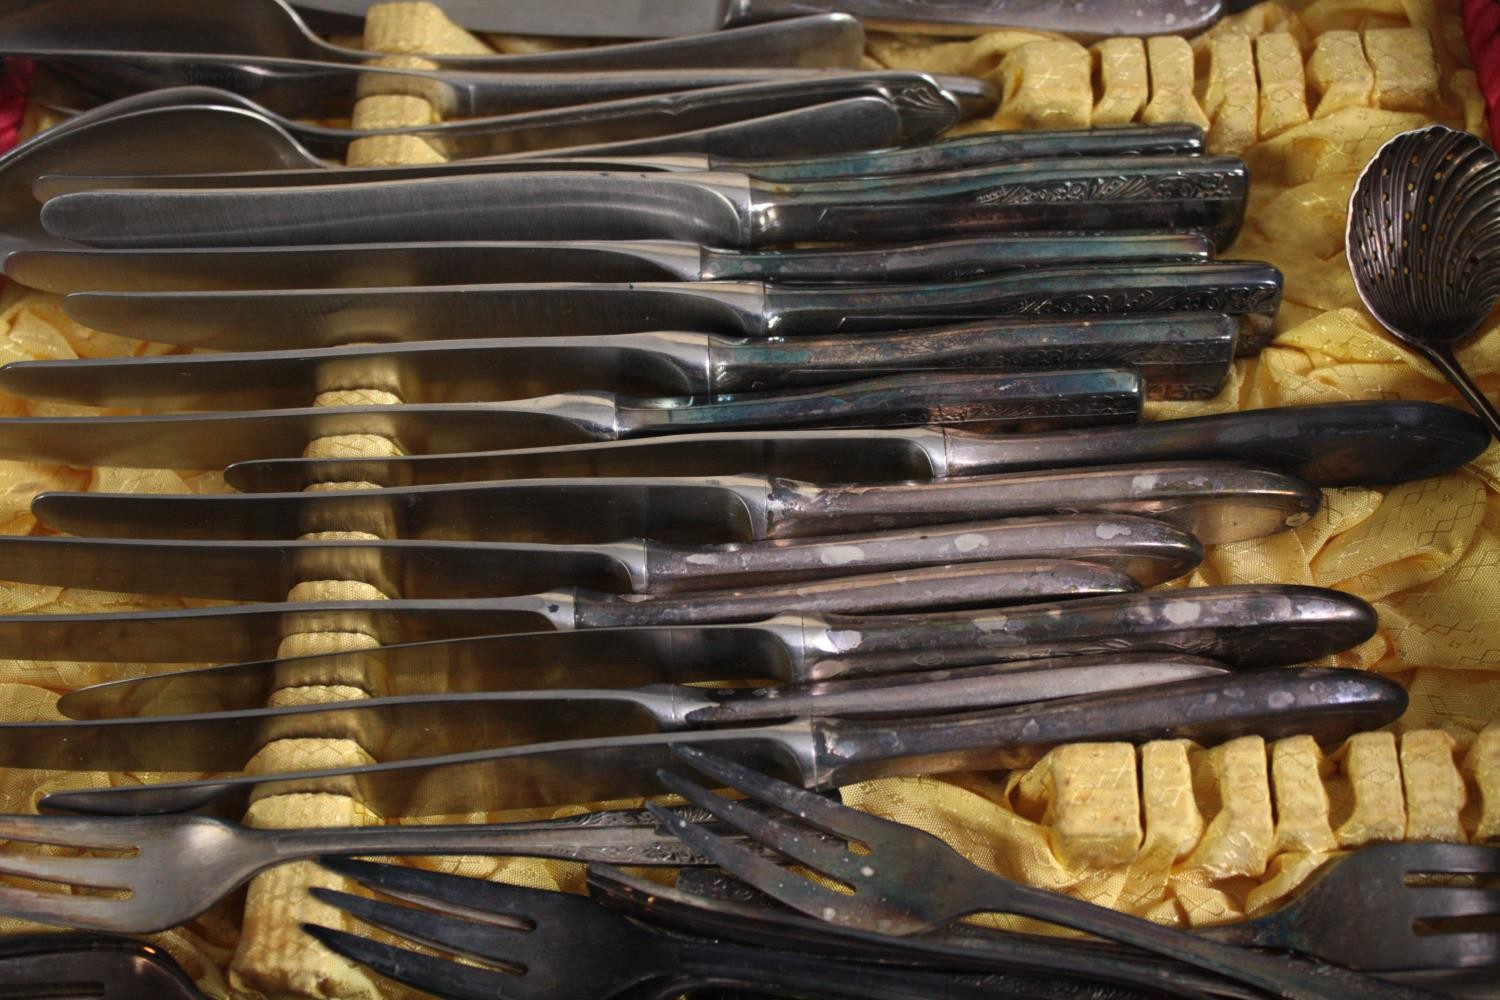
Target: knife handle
1189 193
928 588
1248 289
951 260
985 149
1068 398
1067 17
1184 355
1330 705
1355 443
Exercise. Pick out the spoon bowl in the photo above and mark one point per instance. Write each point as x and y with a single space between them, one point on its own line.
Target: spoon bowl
1423 244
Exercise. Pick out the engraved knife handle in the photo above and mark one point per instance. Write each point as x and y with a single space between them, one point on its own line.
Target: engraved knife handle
1068 398
1247 289
1179 193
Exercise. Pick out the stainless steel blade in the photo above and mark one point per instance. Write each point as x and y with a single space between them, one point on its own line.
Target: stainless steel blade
1329 705
65 271
1179 355
209 440
1246 626
666 18
415 726
1327 444
1147 550
1216 502
254 631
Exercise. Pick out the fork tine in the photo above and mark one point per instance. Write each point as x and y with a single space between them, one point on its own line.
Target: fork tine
437 976
59 908
1438 902
447 893
479 940
754 869
1454 859
98 873
93 832
794 841
810 808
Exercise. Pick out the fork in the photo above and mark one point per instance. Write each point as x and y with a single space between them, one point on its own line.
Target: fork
910 881
97 966
541 944
180 865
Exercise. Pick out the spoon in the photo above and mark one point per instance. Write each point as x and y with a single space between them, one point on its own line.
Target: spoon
273 28
1424 246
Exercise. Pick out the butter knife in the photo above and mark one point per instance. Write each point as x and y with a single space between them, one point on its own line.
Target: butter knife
1350 443
212 439
1329 705
1216 502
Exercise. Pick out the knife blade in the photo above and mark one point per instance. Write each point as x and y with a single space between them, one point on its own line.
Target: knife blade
1216 502
253 631
1245 626
1330 705
1194 193
1348 443
67 270
666 18
298 319
211 439
1181 355
956 153
1147 550
414 726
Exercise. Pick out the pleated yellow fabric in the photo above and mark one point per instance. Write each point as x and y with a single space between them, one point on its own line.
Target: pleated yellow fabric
1180 833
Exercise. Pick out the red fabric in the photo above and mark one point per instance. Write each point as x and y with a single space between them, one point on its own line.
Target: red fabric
1482 25
13 88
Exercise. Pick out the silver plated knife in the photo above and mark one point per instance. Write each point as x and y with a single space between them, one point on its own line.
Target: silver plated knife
363 265
1147 550
957 153
1246 626
1353 443
252 631
1330 705
212 439
659 18
297 319
1180 355
1195 193
416 726
1216 502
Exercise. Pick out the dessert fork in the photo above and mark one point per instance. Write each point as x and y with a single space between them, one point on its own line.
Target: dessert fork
910 881
542 944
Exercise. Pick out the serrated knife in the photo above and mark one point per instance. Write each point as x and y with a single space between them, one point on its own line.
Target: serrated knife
1350 443
1216 502
205 440
1147 550
1329 705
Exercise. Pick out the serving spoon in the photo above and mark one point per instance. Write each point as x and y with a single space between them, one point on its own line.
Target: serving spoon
1424 246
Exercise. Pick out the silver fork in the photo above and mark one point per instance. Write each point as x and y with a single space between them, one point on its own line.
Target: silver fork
180 865
910 881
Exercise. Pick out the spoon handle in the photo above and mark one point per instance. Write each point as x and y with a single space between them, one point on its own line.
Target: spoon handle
1448 364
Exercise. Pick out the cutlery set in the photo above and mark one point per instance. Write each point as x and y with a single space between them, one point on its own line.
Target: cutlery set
701 375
